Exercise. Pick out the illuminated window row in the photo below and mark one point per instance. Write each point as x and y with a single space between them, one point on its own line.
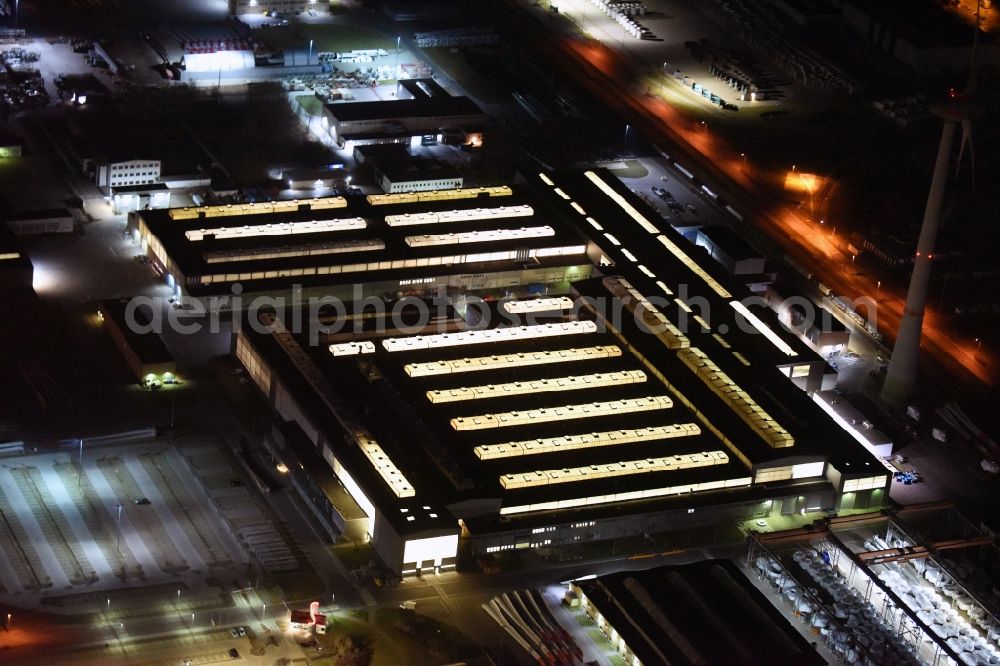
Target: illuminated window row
265 207
284 252
693 267
564 413
772 337
648 226
854 485
467 215
352 348
503 361
385 467
279 229
395 264
737 399
488 236
537 305
653 319
438 195
613 498
585 441
574 383
609 470
488 335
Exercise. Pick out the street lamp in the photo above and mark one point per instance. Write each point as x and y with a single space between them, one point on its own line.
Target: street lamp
625 147
395 67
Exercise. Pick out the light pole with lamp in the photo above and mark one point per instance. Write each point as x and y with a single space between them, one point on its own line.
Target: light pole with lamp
395 67
119 535
625 146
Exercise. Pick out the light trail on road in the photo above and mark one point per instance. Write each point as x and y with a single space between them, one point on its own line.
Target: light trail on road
604 73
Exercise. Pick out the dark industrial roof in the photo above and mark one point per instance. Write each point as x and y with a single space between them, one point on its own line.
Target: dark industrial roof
704 613
423 88
147 345
427 107
730 243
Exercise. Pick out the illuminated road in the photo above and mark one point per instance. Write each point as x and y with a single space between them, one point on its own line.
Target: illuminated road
617 79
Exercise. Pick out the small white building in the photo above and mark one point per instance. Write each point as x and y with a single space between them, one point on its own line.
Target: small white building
416 175
127 173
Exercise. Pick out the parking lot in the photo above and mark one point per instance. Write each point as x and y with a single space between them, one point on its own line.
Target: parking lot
138 516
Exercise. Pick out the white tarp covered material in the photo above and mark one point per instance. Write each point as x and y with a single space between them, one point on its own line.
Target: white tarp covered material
218 61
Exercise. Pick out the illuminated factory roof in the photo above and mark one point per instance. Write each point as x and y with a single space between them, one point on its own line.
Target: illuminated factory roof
656 408
461 215
659 262
404 238
505 361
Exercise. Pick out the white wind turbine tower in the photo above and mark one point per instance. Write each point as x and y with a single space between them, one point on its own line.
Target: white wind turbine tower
902 374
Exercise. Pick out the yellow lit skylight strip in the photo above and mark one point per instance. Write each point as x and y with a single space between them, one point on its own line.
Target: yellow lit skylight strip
622 202
352 348
693 267
585 441
772 337
546 180
438 195
738 400
264 207
385 467
279 229
537 305
627 496
564 413
572 383
5 256
466 215
604 471
504 361
285 251
441 340
489 236
721 340
654 320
